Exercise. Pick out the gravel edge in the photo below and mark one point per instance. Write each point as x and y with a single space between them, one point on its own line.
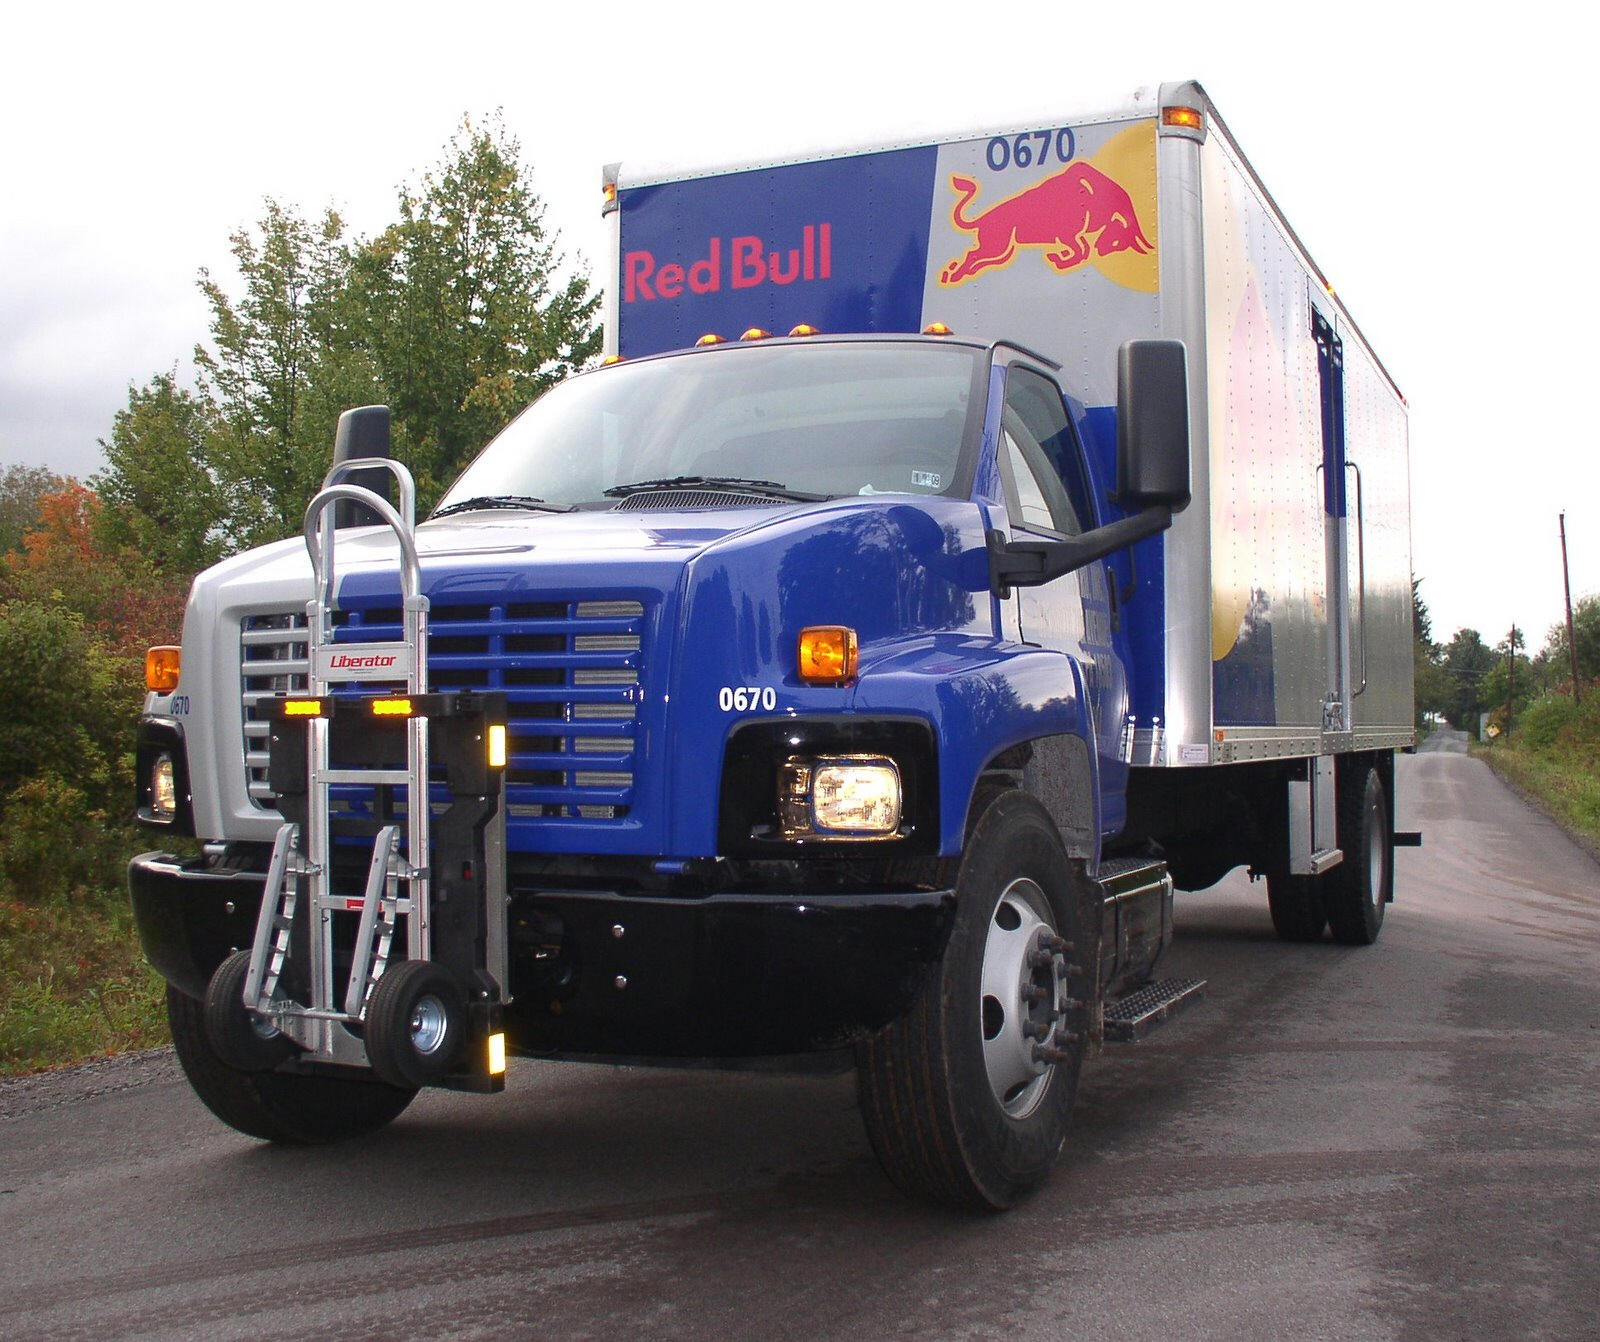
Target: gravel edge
39 1091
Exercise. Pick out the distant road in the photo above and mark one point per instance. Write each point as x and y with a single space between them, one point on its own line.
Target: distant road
1392 1142
1447 739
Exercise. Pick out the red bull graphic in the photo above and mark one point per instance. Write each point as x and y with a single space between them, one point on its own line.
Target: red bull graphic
1081 215
1078 213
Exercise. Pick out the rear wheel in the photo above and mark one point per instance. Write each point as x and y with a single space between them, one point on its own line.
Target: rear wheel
966 1098
277 1106
1359 887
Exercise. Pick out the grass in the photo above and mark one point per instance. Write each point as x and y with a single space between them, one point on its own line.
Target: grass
1553 754
73 983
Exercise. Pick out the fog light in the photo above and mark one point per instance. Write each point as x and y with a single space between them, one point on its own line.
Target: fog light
846 797
163 787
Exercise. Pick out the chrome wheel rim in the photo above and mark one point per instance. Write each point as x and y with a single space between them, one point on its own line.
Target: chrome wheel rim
1021 997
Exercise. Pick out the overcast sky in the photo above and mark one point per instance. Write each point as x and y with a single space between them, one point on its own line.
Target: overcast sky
1432 167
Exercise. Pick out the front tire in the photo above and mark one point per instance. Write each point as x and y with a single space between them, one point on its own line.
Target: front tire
277 1106
966 1098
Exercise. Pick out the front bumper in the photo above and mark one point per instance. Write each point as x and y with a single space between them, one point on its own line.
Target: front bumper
600 973
192 915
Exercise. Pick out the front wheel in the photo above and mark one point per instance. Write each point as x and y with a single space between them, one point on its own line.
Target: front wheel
966 1098
279 1107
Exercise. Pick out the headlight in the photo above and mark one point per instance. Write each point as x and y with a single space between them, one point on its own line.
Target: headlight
163 787
845 797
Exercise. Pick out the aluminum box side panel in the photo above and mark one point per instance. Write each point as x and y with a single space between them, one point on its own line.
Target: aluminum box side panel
1269 594
1376 443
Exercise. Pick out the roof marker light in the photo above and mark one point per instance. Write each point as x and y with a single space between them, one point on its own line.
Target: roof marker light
1189 118
756 333
805 330
710 338
936 328
610 359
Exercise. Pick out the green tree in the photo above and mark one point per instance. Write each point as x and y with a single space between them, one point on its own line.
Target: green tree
279 350
21 488
1466 660
1432 685
63 705
159 493
1586 635
469 317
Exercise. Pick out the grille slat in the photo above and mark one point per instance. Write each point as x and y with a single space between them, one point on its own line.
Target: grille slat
570 670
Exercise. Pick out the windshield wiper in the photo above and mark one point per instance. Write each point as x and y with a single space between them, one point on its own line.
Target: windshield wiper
770 488
502 501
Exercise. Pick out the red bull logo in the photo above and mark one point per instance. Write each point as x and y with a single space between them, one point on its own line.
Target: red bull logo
1080 216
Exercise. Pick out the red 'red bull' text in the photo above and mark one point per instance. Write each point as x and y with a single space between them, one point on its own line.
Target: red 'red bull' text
739 263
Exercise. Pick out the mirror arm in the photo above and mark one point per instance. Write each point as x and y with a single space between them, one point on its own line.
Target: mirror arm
1031 563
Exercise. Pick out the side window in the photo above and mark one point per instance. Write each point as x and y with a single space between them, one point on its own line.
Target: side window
1039 462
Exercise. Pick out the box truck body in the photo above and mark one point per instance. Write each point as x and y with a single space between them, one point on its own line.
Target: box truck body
1259 630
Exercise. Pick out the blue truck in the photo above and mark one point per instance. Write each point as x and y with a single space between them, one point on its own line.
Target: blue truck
963 545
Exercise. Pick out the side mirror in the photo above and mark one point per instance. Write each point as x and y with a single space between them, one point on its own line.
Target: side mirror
1152 425
362 432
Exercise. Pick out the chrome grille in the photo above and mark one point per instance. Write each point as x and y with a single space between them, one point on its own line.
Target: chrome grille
570 670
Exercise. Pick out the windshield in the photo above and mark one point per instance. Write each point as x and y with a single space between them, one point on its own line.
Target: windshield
812 420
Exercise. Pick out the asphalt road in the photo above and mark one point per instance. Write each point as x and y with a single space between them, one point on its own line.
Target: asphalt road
1389 1142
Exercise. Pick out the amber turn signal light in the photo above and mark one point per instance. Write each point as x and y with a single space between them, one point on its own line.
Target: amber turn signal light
828 655
161 666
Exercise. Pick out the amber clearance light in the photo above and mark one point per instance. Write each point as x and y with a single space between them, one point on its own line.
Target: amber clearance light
1187 117
161 667
828 655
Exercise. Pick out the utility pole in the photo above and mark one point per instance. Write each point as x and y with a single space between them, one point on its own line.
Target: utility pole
1511 674
1572 643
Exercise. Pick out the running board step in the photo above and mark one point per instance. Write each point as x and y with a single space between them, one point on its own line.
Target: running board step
1129 1019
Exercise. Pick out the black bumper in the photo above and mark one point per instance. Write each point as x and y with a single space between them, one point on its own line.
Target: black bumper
726 975
191 916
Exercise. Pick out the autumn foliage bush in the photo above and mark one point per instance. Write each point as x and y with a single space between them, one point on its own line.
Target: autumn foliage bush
75 618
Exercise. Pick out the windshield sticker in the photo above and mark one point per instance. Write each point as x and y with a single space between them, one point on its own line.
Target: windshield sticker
927 480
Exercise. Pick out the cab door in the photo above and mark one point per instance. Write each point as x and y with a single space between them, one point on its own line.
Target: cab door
1048 496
